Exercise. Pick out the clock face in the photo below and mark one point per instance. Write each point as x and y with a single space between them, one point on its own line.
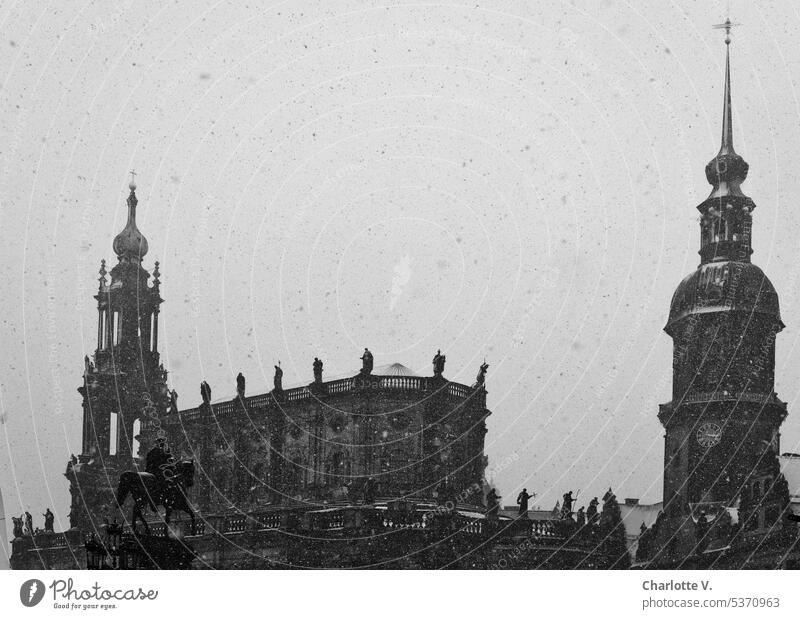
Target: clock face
709 434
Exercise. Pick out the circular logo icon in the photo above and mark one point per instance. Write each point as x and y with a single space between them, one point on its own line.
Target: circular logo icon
31 592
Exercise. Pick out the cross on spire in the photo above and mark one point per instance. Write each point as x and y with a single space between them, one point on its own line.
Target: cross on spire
133 179
727 25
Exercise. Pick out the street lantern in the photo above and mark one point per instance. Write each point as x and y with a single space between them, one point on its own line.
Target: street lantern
129 554
95 553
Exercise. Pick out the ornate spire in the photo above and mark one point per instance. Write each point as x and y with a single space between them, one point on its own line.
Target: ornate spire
130 244
156 276
726 147
103 273
727 170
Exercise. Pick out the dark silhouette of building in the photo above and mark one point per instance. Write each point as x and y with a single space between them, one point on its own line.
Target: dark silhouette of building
125 387
724 494
385 468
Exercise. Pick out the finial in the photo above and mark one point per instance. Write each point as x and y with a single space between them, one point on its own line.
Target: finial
727 25
103 272
727 115
156 274
132 184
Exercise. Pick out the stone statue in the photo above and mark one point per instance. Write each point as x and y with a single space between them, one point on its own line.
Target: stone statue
49 518
317 370
581 517
173 401
17 526
73 519
205 392
366 362
492 504
566 508
369 491
522 501
481 379
278 378
591 513
438 363
643 543
444 492
240 385
29 523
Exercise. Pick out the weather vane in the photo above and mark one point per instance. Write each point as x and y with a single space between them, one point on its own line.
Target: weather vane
727 25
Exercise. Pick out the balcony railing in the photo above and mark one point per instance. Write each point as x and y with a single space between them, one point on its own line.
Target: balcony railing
418 384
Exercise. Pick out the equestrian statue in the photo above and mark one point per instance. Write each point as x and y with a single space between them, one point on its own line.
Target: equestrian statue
162 484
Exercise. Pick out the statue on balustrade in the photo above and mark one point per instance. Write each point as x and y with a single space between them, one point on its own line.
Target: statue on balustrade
205 392
592 516
49 519
369 491
18 532
481 378
29 523
446 493
367 362
438 363
240 385
581 517
643 543
277 380
522 501
492 504
566 508
317 370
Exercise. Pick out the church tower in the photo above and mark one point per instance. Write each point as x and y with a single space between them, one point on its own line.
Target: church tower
125 387
722 425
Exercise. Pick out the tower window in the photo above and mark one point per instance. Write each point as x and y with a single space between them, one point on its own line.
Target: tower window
101 330
116 327
113 434
153 331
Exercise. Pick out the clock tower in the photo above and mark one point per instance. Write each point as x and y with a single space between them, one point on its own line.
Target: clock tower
722 425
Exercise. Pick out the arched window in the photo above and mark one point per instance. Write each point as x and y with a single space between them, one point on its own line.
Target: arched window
116 327
113 434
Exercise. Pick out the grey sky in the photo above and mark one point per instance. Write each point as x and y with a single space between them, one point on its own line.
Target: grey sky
513 180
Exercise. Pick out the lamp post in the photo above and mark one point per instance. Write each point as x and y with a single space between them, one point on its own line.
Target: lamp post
114 551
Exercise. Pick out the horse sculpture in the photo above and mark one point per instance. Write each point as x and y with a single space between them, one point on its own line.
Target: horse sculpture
149 490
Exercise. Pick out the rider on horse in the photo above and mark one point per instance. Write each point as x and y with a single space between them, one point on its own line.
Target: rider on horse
163 483
158 460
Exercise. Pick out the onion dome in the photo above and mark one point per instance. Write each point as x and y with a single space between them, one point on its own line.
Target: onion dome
724 287
130 244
